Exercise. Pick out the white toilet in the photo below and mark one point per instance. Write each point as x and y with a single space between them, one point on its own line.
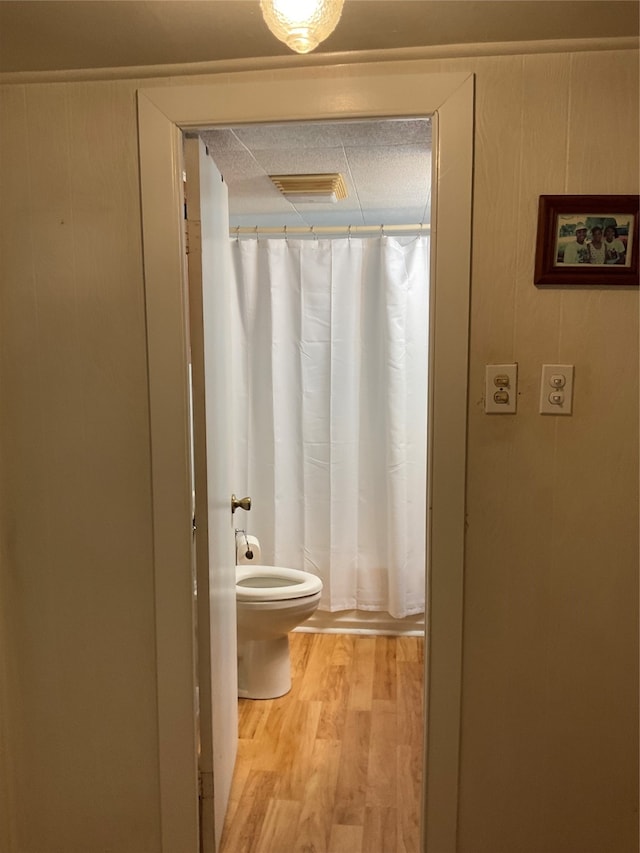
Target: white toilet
270 602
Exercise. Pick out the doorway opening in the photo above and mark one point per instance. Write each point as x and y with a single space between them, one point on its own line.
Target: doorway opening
331 354
398 89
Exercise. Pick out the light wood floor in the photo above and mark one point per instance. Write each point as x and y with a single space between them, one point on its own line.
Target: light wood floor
335 765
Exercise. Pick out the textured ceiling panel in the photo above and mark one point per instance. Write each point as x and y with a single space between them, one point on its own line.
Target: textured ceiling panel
301 161
405 169
279 137
386 166
386 133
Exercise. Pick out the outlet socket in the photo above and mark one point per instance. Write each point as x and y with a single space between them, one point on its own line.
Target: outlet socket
501 389
556 389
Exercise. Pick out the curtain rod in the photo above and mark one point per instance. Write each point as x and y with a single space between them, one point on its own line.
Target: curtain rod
317 230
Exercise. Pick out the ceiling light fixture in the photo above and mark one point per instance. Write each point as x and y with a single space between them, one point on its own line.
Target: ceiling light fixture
301 24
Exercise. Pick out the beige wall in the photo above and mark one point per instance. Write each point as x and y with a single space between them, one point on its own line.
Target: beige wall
77 581
550 690
549 719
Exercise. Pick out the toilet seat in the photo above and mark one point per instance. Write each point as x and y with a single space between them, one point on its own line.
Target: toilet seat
274 583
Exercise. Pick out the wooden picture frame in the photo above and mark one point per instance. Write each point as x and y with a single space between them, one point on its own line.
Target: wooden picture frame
587 240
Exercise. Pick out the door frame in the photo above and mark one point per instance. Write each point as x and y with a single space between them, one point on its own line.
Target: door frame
376 90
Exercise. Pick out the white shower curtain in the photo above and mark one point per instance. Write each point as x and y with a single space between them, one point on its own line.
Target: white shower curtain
330 360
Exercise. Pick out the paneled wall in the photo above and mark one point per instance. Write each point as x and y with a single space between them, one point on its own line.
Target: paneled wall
549 717
77 573
550 692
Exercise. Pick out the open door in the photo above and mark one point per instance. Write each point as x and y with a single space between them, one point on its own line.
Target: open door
208 261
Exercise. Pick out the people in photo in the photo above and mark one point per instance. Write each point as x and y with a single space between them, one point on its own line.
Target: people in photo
596 246
577 251
614 248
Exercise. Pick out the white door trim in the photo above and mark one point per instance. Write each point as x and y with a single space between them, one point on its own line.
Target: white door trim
376 90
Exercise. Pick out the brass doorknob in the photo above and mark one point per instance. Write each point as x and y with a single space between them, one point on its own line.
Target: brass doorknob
240 503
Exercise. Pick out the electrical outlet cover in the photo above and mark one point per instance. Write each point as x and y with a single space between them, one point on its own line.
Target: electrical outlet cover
501 389
556 389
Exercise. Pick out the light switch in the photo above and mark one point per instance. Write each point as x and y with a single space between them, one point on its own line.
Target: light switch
556 389
500 389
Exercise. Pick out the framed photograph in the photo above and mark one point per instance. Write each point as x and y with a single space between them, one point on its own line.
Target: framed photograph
587 240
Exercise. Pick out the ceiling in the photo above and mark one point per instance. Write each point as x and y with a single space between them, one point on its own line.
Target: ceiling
53 35
385 164
386 167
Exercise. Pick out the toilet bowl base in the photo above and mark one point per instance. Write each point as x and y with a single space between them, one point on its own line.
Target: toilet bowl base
264 668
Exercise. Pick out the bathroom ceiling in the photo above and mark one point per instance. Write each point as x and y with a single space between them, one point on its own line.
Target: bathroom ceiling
386 166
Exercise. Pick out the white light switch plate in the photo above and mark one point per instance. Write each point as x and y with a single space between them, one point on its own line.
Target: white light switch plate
556 389
500 389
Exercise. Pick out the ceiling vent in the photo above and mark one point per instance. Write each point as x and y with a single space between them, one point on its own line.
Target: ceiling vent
315 189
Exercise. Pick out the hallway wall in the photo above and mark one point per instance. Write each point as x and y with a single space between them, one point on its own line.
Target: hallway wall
550 679
550 700
77 577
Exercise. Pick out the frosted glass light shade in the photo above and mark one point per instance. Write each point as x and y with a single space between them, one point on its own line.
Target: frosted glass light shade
301 24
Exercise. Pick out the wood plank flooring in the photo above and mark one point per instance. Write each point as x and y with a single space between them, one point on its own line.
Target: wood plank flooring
335 766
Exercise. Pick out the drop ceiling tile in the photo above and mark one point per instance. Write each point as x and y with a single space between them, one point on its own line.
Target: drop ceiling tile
395 216
369 134
338 208
220 139
398 176
235 165
307 135
298 161
324 218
